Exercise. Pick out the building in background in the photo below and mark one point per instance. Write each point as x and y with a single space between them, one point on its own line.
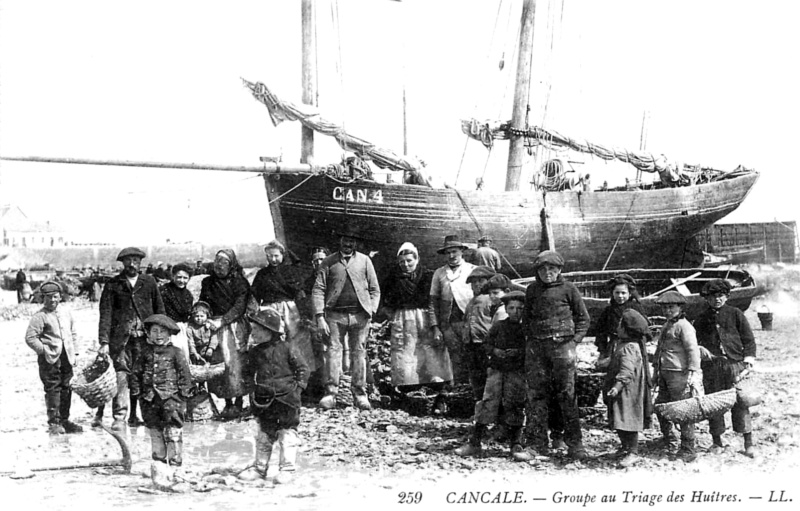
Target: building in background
19 231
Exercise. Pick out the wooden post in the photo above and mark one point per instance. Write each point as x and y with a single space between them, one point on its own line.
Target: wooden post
516 151
309 75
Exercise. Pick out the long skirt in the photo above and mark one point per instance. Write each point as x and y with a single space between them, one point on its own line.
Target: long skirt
296 332
180 340
232 351
415 359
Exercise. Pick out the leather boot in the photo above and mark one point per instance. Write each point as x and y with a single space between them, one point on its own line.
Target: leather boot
515 439
52 401
261 464
159 447
133 421
749 450
474 447
174 441
97 421
288 442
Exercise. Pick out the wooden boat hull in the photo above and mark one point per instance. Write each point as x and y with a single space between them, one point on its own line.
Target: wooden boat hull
596 295
592 230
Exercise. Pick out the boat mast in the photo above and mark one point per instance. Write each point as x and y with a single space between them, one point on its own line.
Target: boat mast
516 151
309 74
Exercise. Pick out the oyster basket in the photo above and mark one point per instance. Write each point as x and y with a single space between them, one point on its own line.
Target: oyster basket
747 394
588 387
204 372
696 409
96 383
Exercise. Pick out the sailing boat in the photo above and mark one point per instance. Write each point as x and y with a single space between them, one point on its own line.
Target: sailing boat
647 226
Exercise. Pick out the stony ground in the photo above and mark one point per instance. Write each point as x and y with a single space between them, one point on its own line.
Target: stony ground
386 458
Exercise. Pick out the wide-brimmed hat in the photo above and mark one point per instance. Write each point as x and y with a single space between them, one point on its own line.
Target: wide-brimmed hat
451 241
481 272
671 297
130 251
513 295
349 231
165 321
716 286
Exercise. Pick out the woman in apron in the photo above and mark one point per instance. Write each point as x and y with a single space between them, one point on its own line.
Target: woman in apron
227 292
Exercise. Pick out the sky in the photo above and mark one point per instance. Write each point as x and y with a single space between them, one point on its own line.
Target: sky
160 81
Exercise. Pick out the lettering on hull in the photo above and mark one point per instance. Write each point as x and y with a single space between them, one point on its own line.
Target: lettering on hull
344 194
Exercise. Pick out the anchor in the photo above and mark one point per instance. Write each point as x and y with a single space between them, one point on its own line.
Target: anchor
125 462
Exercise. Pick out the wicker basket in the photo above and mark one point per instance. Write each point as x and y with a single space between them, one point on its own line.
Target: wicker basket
696 409
588 387
205 372
747 394
96 383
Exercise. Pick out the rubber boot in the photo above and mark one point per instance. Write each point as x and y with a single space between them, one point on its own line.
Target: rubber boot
158 446
474 447
289 443
52 401
261 464
174 441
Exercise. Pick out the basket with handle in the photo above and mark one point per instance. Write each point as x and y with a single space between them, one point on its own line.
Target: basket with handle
201 373
97 382
697 408
747 394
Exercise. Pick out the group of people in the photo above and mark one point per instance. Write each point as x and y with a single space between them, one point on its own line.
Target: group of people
461 322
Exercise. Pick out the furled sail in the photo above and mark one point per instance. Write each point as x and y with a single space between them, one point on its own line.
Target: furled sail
280 111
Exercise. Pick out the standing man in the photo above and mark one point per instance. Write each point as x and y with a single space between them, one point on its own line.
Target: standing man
485 255
127 300
51 334
450 294
20 281
727 348
345 296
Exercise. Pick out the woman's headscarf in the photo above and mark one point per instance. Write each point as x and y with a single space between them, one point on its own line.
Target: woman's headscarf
231 255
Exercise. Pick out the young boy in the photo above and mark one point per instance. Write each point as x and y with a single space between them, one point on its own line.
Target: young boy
505 382
677 368
727 347
477 321
280 374
202 342
557 320
162 381
497 287
627 385
51 334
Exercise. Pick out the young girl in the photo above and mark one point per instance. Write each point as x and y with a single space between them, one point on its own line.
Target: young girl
280 374
162 380
678 368
623 297
627 385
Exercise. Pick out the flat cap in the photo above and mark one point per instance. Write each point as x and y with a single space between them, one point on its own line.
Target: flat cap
267 318
498 281
671 297
481 272
548 257
165 321
131 251
632 325
716 286
49 287
513 295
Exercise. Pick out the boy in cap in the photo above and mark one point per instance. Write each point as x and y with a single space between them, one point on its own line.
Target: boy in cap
677 369
128 298
505 382
477 321
727 348
627 385
161 377
557 320
51 334
280 374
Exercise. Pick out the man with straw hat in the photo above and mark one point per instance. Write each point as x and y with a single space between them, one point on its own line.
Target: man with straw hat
51 334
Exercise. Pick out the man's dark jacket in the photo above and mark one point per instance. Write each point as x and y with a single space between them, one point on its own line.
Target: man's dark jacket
120 306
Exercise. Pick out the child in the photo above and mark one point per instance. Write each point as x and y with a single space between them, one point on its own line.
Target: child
477 321
51 334
162 380
727 347
623 297
627 385
496 288
202 342
280 374
505 382
677 367
557 320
